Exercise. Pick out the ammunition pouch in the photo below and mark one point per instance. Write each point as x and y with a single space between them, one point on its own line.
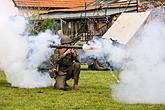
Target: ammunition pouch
53 72
60 73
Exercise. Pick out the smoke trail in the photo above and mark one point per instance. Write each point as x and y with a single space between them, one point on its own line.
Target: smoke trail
143 76
20 55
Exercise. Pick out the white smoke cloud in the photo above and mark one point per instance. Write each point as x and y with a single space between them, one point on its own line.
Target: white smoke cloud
142 62
143 76
104 50
20 55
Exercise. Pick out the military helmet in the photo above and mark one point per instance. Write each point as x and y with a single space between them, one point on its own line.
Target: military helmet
66 40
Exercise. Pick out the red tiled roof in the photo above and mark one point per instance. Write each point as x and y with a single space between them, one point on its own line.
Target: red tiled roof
91 8
77 9
55 6
52 3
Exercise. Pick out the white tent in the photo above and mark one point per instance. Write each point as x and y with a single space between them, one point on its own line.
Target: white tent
126 26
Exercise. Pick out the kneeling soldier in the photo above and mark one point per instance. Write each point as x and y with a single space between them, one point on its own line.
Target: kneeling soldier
68 65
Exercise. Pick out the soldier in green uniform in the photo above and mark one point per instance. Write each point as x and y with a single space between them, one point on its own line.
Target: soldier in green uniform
68 66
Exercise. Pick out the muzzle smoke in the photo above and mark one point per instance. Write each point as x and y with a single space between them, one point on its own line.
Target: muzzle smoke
107 52
20 55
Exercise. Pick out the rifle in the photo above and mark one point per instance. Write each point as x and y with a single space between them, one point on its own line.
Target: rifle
65 46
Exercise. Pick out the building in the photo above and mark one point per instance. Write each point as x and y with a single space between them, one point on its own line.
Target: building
84 18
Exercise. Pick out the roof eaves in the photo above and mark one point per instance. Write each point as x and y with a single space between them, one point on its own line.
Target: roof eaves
14 3
79 9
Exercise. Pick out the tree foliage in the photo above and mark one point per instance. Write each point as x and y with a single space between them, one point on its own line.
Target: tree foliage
36 26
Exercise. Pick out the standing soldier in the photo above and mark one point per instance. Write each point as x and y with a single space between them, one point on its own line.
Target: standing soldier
67 65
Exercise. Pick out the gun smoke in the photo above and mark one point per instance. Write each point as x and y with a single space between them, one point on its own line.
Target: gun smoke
109 53
20 55
142 62
143 76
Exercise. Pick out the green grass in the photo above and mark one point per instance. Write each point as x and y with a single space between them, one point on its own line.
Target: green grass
94 94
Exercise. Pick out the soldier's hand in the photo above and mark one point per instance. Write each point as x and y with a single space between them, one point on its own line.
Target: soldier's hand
74 52
68 52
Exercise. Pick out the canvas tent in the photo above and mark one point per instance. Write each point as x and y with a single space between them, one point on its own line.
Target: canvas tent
126 26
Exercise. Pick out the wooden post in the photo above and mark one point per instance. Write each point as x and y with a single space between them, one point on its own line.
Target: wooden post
61 24
85 22
137 2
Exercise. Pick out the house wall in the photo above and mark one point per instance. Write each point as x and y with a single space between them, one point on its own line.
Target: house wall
86 28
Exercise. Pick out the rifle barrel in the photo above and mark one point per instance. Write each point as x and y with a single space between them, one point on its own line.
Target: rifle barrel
65 46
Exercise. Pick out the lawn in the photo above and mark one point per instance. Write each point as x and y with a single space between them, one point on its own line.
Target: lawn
94 94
